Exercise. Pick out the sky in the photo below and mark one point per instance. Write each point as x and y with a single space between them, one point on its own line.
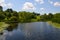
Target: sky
39 6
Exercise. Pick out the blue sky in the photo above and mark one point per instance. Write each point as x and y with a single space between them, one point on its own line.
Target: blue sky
40 6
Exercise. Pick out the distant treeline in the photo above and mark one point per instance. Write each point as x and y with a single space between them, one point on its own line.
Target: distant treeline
51 17
13 16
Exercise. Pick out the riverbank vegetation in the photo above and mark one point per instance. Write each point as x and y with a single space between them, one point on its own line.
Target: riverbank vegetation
3 26
53 19
11 16
57 25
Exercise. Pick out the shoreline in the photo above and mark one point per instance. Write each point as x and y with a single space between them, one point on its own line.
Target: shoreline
57 25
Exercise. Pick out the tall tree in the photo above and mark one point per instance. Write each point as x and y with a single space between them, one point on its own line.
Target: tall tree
1 8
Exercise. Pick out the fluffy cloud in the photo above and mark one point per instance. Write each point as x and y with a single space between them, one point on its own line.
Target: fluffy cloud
3 4
40 1
51 2
28 6
57 4
1 1
42 9
9 5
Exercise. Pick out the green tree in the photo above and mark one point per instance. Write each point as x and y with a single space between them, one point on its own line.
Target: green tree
50 16
56 18
1 8
2 16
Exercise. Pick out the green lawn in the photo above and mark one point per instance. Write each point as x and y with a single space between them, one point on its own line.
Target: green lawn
57 25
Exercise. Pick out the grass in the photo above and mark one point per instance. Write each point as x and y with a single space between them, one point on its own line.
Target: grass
57 25
3 26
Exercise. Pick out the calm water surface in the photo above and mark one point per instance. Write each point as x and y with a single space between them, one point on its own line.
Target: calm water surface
32 31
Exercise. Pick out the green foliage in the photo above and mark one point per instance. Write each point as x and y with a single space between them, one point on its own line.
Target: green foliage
56 18
38 18
26 16
1 9
2 16
50 16
46 17
9 10
3 26
33 20
12 16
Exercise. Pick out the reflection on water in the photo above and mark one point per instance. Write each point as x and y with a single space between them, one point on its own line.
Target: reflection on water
31 31
12 26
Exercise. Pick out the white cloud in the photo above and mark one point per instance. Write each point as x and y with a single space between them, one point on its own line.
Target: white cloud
57 4
42 9
40 1
1 1
3 4
51 2
28 6
9 5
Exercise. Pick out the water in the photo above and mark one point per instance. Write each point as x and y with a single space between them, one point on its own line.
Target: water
31 31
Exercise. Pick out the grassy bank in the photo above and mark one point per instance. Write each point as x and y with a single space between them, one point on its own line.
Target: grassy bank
57 25
3 26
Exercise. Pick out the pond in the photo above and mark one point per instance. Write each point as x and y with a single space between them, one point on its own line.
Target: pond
31 31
